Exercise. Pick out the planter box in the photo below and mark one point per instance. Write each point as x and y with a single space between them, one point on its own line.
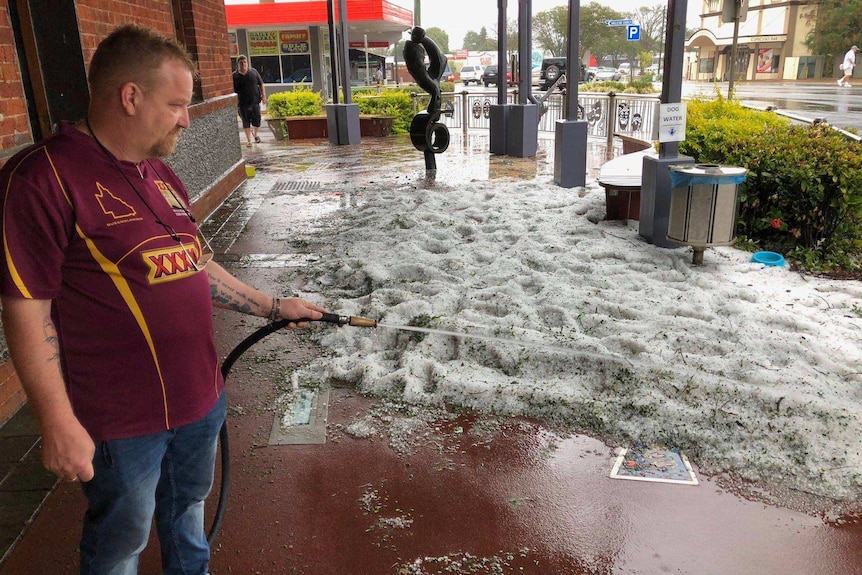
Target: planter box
298 127
375 126
304 127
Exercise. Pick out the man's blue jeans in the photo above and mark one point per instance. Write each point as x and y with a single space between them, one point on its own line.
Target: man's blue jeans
168 474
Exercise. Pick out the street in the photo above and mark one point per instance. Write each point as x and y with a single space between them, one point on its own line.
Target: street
840 107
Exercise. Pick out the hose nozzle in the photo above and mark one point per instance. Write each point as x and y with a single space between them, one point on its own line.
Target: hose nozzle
352 320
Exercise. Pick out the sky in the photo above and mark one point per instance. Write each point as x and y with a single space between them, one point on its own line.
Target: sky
744 367
456 17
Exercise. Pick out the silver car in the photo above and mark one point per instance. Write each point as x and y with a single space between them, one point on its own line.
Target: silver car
604 74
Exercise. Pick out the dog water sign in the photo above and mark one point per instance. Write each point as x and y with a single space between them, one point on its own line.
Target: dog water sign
671 126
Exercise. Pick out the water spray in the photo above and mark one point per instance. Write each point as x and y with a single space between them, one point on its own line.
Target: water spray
354 321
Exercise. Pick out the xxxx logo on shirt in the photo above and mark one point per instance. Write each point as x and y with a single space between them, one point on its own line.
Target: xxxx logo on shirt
171 263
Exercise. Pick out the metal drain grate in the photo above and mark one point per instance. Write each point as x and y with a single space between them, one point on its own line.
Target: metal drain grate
293 186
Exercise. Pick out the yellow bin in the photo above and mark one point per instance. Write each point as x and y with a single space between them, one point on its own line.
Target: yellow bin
250 171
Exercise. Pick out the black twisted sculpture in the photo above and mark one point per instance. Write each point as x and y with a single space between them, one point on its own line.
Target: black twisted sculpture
427 134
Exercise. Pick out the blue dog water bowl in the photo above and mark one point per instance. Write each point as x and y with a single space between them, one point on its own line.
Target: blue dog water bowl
768 258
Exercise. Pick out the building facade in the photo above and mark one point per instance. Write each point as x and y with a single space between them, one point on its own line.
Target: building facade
288 41
770 44
46 47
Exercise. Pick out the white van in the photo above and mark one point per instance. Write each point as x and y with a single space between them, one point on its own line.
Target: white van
471 74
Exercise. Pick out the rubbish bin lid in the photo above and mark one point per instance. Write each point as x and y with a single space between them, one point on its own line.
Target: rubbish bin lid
686 175
708 170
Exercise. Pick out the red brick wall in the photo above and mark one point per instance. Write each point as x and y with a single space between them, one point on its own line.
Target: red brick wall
203 28
14 124
202 24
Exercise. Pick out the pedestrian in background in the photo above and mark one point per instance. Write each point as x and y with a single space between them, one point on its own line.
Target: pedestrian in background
250 92
848 65
107 294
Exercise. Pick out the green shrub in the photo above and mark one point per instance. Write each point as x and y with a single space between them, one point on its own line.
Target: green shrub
639 86
396 103
299 102
803 192
444 87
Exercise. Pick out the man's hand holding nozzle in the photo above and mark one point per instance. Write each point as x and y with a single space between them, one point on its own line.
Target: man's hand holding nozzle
296 308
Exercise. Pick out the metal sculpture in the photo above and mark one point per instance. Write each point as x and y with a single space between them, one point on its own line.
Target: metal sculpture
427 134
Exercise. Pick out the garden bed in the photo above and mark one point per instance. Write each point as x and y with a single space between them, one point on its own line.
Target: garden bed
305 127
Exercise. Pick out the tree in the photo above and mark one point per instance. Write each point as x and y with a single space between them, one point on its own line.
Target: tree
440 37
511 34
652 21
599 38
836 26
551 27
550 30
479 41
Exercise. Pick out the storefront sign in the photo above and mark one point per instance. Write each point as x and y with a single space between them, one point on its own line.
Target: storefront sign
371 44
293 41
753 39
764 61
262 42
232 43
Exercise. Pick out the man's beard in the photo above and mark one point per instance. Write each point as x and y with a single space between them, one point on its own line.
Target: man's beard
166 146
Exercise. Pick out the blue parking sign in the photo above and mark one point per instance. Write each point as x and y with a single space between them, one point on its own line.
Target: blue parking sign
633 32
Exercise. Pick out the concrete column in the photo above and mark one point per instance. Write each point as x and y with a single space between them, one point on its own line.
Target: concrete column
655 178
499 114
570 140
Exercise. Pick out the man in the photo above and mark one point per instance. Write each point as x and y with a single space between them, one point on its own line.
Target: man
107 301
250 92
848 65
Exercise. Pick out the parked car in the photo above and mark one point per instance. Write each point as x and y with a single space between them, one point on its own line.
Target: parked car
534 76
471 74
651 69
491 75
301 75
551 70
625 69
605 74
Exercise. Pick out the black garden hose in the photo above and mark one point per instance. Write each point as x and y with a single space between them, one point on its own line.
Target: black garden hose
244 345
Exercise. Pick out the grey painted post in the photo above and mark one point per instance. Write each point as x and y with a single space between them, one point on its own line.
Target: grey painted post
499 113
333 51
522 140
342 120
655 178
570 135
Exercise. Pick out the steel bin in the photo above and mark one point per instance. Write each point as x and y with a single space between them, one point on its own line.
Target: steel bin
703 205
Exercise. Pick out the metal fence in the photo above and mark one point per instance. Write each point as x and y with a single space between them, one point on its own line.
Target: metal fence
606 113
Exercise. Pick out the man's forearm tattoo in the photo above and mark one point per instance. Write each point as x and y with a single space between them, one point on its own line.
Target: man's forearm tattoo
225 295
51 339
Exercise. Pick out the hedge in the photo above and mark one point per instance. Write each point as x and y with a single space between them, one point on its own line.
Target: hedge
803 191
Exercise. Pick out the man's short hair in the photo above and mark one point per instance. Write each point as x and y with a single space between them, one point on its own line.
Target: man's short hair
241 58
132 53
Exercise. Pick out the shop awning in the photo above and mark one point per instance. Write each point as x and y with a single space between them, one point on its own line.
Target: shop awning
379 19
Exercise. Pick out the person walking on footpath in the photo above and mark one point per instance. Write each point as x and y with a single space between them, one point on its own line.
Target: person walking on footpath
107 290
848 65
250 92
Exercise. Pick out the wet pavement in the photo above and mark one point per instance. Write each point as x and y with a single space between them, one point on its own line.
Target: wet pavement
809 100
397 489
